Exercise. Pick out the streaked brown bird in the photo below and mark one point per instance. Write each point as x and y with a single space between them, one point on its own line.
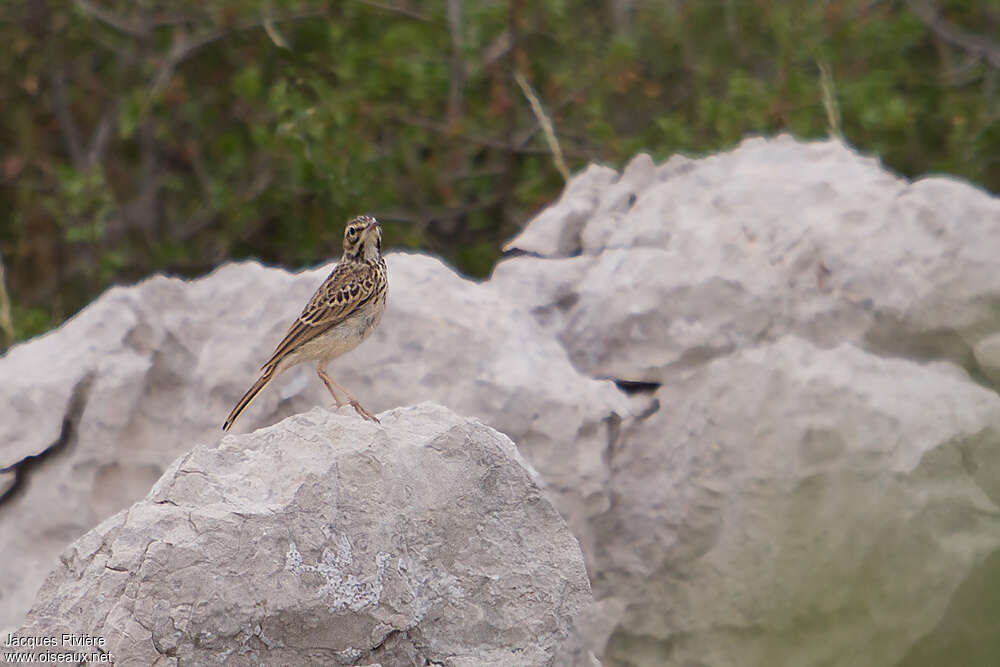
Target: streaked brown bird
343 312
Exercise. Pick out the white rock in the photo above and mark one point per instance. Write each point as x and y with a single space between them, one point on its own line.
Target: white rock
795 506
556 230
774 237
987 353
812 483
616 201
328 539
148 370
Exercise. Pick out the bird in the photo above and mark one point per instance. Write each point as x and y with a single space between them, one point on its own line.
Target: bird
343 312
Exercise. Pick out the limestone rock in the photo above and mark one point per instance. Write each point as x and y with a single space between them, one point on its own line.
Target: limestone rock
108 400
789 505
774 237
556 230
813 480
462 345
326 539
987 354
803 472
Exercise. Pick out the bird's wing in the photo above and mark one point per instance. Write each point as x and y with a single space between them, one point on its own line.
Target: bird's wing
344 291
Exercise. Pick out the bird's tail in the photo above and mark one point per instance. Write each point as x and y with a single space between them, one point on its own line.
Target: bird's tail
266 375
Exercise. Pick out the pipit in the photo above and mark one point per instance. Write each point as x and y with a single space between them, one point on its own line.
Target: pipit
343 312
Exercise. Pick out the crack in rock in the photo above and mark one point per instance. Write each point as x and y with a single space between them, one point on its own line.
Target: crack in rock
22 468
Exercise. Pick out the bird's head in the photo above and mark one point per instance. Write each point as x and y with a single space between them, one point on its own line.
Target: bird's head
363 238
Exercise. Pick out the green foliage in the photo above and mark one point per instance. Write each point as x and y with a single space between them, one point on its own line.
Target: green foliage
142 136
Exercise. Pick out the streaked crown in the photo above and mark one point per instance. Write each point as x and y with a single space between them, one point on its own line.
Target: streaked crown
363 238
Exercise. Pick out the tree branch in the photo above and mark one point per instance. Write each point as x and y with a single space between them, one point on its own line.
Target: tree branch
65 117
489 142
101 137
397 10
456 92
550 133
6 321
978 45
183 48
119 23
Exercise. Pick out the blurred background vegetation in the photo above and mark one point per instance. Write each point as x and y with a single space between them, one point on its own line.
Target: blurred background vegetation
153 135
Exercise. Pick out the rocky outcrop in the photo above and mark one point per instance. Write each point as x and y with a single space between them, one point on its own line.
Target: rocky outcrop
790 505
137 378
814 480
800 469
329 540
674 265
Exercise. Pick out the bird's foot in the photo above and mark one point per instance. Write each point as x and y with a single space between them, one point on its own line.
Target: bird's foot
364 413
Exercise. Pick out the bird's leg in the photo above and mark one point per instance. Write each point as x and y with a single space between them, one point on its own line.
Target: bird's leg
328 381
353 402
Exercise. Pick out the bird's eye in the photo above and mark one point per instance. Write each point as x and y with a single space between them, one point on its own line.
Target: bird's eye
352 231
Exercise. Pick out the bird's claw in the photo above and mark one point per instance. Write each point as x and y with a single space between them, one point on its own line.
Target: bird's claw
364 413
